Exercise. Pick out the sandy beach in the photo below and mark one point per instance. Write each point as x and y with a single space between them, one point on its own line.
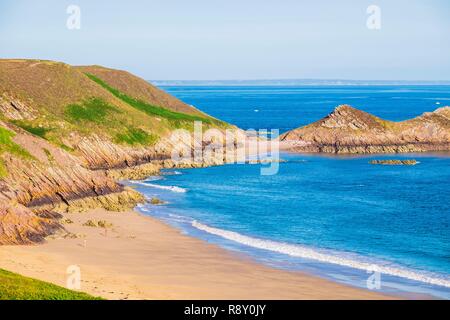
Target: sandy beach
140 257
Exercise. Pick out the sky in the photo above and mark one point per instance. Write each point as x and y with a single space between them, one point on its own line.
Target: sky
236 39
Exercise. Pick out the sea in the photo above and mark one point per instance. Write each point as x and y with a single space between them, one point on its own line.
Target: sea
382 228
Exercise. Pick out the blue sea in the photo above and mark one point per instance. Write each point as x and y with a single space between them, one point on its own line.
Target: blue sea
337 217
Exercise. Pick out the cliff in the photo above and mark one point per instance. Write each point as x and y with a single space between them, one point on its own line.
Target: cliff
349 130
67 133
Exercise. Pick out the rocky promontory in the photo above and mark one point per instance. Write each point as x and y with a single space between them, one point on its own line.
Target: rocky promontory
349 130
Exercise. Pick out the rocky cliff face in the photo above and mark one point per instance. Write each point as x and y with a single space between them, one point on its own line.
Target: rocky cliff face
43 180
349 130
19 225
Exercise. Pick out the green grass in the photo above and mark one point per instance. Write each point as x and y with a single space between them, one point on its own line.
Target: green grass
8 145
3 171
49 155
151 109
37 131
17 287
93 110
100 114
66 147
134 136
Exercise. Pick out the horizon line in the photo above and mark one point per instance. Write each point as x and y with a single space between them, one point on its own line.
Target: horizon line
310 81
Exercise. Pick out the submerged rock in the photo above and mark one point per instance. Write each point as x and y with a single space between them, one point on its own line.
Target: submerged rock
395 162
156 201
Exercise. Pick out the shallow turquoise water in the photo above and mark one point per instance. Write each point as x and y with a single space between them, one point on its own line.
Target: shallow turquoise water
333 216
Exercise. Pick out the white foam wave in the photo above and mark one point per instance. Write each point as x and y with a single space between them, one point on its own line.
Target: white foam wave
157 186
142 183
171 188
307 253
178 218
172 173
145 182
142 208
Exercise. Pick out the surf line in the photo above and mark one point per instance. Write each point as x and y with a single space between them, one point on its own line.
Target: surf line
308 253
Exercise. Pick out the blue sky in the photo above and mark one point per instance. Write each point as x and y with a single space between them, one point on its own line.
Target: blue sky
246 39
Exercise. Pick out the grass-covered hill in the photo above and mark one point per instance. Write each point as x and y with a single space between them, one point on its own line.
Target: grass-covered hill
56 100
67 132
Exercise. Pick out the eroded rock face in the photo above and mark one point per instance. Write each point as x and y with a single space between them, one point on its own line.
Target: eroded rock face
346 117
348 130
50 180
19 225
14 109
98 153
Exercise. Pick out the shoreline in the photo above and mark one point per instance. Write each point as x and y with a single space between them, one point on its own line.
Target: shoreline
140 257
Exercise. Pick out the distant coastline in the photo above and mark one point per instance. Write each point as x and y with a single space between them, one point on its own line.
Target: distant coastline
297 82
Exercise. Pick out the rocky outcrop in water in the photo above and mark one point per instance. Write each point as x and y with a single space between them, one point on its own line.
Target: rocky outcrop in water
349 130
391 162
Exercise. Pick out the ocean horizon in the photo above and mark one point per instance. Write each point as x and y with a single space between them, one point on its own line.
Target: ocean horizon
295 82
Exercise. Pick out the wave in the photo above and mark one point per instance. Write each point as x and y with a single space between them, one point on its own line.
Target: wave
437 99
171 188
178 218
307 253
142 183
142 207
147 183
171 173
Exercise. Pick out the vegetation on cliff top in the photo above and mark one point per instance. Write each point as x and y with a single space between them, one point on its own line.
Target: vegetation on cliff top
17 287
151 109
96 113
94 109
36 130
7 145
136 136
